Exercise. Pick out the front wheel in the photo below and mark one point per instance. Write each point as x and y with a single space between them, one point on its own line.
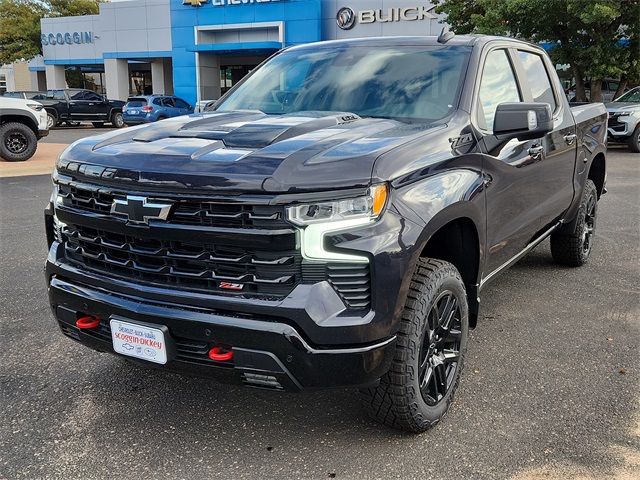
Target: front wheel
418 389
17 142
634 140
117 120
573 248
51 120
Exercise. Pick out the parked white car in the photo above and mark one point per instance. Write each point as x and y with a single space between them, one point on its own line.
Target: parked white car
22 124
200 105
624 119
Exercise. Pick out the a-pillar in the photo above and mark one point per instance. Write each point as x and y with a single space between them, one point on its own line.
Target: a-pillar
55 77
116 72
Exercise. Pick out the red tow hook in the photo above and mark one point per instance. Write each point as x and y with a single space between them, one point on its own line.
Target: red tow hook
217 354
87 322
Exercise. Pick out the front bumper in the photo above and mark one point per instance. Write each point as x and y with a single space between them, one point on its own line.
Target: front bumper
304 340
267 354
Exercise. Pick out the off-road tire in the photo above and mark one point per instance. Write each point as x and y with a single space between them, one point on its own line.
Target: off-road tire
573 248
398 401
17 142
634 140
117 120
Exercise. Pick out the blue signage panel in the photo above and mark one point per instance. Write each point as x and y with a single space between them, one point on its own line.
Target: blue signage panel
301 23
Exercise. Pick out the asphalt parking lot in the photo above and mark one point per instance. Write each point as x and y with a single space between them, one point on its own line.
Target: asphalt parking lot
551 386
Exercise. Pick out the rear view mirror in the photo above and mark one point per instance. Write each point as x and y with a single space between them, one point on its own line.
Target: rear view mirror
524 121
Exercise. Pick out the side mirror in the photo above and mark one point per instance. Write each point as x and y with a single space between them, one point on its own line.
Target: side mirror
524 121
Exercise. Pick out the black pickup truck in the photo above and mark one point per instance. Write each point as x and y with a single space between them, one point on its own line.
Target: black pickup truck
331 222
78 105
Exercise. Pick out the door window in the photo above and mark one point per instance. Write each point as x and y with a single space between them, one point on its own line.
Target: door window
168 102
78 95
92 97
538 78
498 85
181 103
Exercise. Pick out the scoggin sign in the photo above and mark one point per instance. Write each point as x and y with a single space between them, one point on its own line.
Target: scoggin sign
346 18
68 38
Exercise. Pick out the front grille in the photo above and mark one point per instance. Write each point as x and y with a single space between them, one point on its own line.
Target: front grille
93 199
615 124
192 265
205 261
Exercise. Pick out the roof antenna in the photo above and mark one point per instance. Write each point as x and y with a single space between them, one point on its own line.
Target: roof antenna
445 35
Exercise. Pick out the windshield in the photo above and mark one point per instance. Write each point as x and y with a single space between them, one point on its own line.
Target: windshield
414 83
631 96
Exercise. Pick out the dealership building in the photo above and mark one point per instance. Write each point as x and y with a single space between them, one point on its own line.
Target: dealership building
198 49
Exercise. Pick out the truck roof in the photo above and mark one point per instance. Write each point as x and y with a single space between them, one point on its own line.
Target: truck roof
457 40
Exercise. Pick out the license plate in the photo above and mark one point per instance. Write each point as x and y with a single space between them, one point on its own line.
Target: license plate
138 341
132 112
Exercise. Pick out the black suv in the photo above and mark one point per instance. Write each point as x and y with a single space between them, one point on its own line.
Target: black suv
331 222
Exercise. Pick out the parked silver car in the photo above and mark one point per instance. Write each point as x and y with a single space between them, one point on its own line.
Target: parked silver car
624 119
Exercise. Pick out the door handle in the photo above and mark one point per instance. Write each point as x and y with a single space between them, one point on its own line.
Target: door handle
91 104
536 151
570 138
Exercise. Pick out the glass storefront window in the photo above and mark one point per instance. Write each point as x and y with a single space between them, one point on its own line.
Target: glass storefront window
232 74
78 77
140 82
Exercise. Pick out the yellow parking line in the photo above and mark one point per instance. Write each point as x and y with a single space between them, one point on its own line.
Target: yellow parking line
40 164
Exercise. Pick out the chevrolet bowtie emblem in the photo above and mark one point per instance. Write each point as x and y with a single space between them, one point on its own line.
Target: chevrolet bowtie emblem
194 3
139 210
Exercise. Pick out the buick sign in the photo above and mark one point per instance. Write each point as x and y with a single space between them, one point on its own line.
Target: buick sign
346 18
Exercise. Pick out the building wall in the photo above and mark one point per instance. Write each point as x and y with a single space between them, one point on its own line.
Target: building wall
198 57
139 28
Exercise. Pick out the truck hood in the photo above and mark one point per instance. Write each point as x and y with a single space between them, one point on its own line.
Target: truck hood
244 151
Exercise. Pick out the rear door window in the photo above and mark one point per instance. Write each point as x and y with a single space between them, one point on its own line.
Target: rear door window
168 102
538 78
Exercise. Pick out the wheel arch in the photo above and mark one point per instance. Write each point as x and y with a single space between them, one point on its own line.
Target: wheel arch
52 111
455 236
19 118
598 173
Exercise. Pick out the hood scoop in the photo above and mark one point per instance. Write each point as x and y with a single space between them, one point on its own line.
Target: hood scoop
269 130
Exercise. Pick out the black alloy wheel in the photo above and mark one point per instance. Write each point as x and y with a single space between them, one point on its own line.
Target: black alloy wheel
16 142
589 225
440 350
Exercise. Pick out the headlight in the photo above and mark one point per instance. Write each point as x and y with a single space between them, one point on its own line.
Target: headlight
368 207
318 219
622 114
34 106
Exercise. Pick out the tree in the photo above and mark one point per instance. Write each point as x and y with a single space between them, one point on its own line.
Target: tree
20 24
598 38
